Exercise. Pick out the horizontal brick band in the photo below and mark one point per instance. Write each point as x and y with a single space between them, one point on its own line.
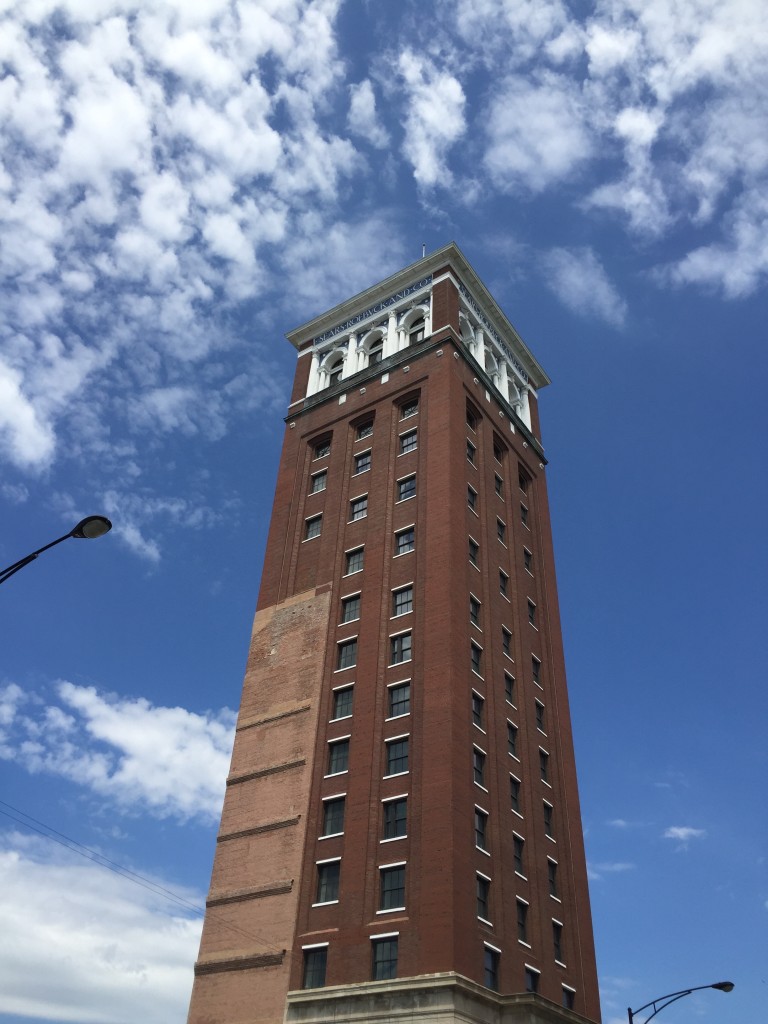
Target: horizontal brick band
245 963
274 889
258 829
274 718
273 770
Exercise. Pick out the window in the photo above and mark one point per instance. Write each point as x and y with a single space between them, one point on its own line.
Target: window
552 877
471 452
474 551
328 882
528 561
491 969
519 843
354 561
338 757
404 541
536 671
323 448
540 716
483 898
384 956
512 739
509 688
406 488
523 515
498 451
318 482
472 498
548 814
342 702
365 430
544 765
315 963
474 610
408 442
397 756
335 370
503 583
399 648
347 654
362 462
531 613
478 766
471 418
358 508
514 793
350 608
568 998
402 601
399 700
501 531
333 816
531 980
476 657
416 331
477 710
481 829
557 940
392 888
376 352
409 408
522 921
506 641
523 480
498 485
395 818
313 527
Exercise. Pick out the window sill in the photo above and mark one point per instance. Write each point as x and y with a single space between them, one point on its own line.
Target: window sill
396 775
331 835
391 910
393 839
325 903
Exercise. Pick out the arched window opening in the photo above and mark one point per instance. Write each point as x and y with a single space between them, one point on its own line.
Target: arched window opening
491 366
376 352
335 369
416 331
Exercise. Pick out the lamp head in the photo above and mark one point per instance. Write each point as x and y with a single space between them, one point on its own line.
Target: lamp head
723 986
92 527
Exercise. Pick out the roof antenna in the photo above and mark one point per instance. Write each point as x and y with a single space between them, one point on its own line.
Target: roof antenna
423 249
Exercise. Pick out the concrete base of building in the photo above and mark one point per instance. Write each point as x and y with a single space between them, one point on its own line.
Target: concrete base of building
430 999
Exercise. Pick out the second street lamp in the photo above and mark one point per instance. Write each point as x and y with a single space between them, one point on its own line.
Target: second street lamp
663 1001
87 529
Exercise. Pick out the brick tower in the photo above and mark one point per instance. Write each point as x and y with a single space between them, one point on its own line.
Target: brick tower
401 836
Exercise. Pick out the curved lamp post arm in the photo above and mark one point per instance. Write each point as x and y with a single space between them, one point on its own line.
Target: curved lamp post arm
663 1001
88 529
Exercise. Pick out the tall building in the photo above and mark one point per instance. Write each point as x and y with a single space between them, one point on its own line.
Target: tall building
401 836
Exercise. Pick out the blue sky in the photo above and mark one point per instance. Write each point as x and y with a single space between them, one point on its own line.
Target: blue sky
181 182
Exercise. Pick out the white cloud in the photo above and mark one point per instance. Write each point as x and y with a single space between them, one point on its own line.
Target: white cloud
684 833
579 280
434 119
596 872
362 118
169 762
113 952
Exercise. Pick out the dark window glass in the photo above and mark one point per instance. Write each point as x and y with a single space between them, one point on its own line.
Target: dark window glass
416 331
501 531
478 766
322 448
471 452
342 702
523 481
540 716
335 371
395 818
532 613
514 793
404 541
408 442
318 482
512 739
397 756
472 498
471 419
384 952
338 757
474 550
476 657
531 980
491 969
376 353
365 430
406 488
557 940
354 561
328 882
497 451
536 670
474 611
498 485
392 890
409 409
399 700
347 654
518 848
481 829
477 710
350 608
315 963
528 560
522 921
333 816
523 515
548 814
358 508
314 526
544 765
506 641
568 998
399 648
509 688
483 898
363 462
552 877
402 601
503 583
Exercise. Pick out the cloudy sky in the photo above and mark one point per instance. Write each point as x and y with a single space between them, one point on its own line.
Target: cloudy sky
181 182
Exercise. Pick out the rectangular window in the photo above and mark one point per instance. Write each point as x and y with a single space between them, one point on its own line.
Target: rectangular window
498 485
523 515
512 739
408 442
472 498
333 816
354 561
519 844
506 641
399 700
552 877
395 818
362 462
402 601
476 657
323 448
358 508
384 955
409 409
397 756
491 969
531 980
522 921
532 613
569 998
477 710
503 583
347 657
365 430
350 608
481 829
497 451
509 688
478 766
392 888
557 941
328 882
406 488
540 716
399 648
471 452
338 757
313 527
404 541
501 531
471 419
474 610
544 765
474 551
523 480
483 898
318 482
315 963
536 671
514 793
528 561
342 702
548 815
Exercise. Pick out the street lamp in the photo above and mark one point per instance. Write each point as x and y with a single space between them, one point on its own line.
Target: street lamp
87 529
663 1001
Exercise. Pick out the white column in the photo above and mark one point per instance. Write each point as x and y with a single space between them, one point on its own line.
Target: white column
478 347
428 318
525 411
313 384
350 360
503 383
390 339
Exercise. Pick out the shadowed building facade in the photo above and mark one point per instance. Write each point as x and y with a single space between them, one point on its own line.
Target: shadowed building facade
401 836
